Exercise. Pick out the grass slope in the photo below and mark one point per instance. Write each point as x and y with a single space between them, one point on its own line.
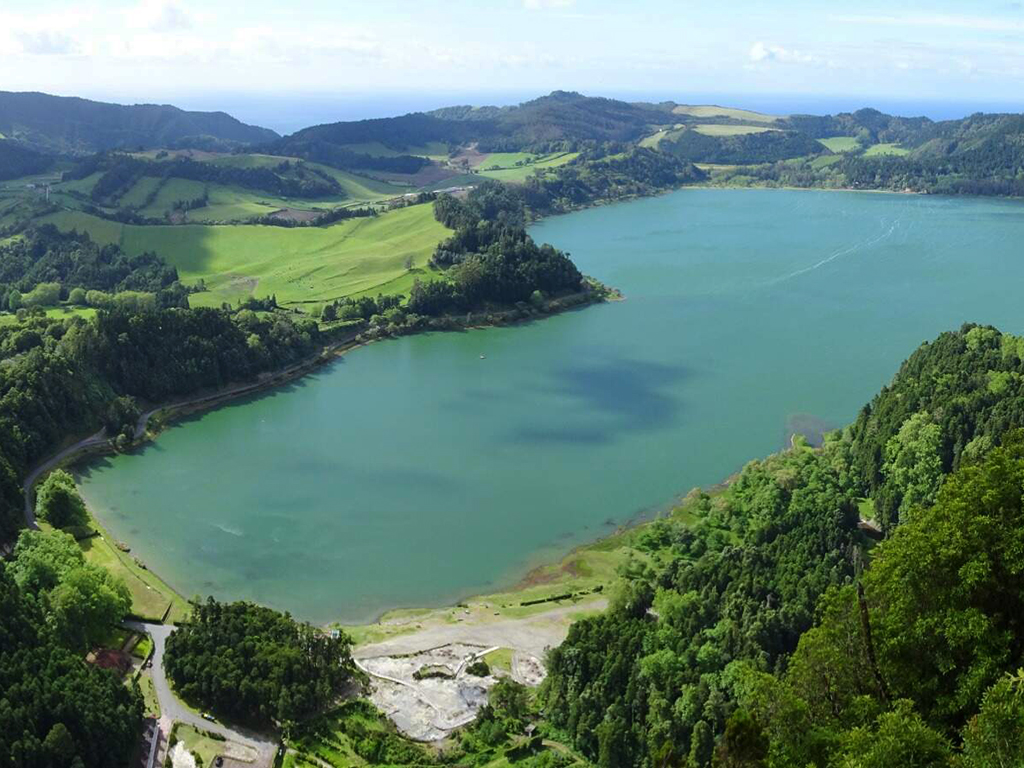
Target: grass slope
713 129
513 173
841 143
357 256
713 110
880 150
152 599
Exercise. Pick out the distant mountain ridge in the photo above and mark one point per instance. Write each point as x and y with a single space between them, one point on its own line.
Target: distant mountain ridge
75 126
558 117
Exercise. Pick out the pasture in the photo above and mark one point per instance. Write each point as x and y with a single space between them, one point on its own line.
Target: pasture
714 129
151 598
383 254
713 110
823 161
519 173
882 150
841 144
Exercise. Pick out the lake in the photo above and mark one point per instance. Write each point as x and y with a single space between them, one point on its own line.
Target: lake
413 473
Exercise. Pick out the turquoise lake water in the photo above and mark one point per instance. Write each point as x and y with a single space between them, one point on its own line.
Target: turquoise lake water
413 473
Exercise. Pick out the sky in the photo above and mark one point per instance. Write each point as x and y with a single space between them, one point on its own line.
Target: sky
424 53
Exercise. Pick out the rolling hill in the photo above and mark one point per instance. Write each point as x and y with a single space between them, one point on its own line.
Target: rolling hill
70 125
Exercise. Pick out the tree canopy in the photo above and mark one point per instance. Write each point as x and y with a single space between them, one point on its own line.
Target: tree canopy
255 665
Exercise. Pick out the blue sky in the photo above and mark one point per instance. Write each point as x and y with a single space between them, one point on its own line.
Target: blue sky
187 49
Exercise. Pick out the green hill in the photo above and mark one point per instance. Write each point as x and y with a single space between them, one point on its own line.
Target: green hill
68 125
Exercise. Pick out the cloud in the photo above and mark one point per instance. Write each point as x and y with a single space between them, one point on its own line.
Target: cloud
160 16
538 5
762 52
45 43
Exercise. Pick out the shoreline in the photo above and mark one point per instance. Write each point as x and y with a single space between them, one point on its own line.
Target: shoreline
155 420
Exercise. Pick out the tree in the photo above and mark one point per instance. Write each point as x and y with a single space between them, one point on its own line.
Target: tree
55 709
42 559
59 745
86 603
59 503
702 744
82 600
77 297
899 737
744 744
994 738
14 302
256 665
913 462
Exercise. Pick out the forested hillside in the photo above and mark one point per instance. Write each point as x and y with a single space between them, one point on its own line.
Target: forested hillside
560 119
68 125
770 633
17 160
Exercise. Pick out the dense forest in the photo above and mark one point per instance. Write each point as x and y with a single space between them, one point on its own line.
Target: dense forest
762 147
254 665
770 633
56 710
17 160
43 255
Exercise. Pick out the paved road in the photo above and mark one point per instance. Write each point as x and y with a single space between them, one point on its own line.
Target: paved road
172 709
30 514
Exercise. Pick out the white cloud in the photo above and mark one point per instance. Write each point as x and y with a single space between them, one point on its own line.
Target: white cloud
160 16
762 52
43 43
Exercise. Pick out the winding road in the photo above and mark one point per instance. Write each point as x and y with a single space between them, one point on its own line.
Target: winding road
172 708
100 438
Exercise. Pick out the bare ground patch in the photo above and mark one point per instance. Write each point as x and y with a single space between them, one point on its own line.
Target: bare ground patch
429 693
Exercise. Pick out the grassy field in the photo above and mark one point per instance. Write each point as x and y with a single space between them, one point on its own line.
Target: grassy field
841 143
151 597
83 186
514 173
136 196
88 313
504 160
712 110
171 192
199 743
712 129
878 150
366 255
825 160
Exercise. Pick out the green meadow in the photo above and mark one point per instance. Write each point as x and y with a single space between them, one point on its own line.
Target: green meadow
383 254
841 143
711 110
713 129
509 171
880 150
